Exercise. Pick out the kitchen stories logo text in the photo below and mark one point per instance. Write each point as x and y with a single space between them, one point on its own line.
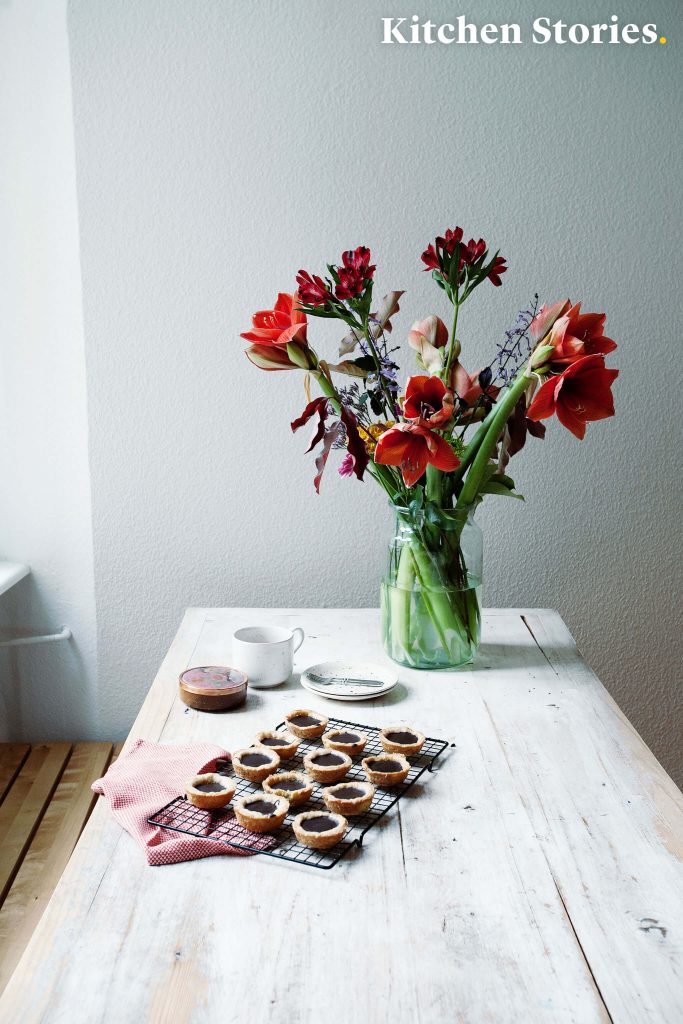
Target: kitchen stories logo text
413 30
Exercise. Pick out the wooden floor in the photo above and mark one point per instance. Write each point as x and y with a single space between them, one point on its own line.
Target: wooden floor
45 801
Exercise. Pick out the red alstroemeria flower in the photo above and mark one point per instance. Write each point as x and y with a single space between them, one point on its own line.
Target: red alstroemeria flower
354 274
467 386
414 447
278 326
575 335
312 289
428 401
579 395
473 250
499 267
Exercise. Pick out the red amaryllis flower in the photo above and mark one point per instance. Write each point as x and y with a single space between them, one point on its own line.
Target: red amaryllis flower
499 267
312 289
278 326
428 401
579 395
414 447
576 335
468 386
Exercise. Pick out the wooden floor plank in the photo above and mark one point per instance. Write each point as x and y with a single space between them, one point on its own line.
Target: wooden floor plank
12 756
23 808
49 852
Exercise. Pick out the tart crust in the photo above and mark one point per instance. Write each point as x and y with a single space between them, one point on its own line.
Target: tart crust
319 840
255 821
330 740
255 773
294 796
392 747
331 773
306 732
209 800
352 806
386 779
286 748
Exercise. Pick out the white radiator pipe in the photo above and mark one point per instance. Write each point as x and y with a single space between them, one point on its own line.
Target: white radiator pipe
46 638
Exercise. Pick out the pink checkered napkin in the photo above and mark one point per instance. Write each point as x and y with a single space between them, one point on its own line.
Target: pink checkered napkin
147 777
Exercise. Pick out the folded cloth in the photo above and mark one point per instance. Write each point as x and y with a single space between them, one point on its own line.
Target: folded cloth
147 777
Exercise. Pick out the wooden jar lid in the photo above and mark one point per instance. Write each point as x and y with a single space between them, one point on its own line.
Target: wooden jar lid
213 687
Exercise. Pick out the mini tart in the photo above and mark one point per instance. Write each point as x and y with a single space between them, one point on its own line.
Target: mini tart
401 739
283 743
311 724
386 769
348 740
261 812
319 829
255 763
283 785
210 790
349 798
327 765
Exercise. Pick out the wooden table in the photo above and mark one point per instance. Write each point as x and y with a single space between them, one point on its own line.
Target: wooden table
536 876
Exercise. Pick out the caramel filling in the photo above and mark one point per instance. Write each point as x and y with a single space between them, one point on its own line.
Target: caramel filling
288 785
304 720
255 760
327 760
401 737
347 793
209 787
320 824
345 737
386 766
266 807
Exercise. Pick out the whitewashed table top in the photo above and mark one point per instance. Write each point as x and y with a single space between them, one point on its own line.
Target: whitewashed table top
536 876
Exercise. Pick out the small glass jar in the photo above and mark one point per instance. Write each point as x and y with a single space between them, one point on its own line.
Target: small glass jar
431 594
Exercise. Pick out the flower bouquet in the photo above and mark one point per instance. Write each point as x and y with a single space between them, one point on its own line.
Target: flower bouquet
443 443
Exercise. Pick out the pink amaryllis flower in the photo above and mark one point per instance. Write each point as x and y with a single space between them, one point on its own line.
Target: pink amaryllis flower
467 386
428 337
579 395
545 318
428 400
413 447
273 330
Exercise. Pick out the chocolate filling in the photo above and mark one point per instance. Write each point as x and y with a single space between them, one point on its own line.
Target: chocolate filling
320 824
401 737
261 806
255 760
327 760
209 787
289 785
348 793
272 741
304 720
345 737
386 766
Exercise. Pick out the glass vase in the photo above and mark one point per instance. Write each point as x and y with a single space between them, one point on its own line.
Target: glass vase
431 594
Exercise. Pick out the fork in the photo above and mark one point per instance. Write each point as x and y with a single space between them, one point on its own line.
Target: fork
331 680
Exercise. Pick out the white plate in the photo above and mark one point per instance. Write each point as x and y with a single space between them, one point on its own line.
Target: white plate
385 677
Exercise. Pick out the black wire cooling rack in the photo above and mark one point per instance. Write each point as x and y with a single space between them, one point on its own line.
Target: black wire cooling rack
222 826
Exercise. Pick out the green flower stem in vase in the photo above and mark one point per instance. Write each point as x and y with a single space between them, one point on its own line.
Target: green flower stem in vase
431 595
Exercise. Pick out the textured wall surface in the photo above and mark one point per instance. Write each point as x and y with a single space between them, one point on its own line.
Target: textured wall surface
45 516
221 146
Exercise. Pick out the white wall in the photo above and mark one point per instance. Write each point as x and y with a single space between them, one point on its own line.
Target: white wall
222 145
49 691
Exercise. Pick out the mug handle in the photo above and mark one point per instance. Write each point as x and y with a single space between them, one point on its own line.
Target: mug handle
300 633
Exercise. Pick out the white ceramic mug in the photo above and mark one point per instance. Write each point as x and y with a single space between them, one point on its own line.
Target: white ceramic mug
266 653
